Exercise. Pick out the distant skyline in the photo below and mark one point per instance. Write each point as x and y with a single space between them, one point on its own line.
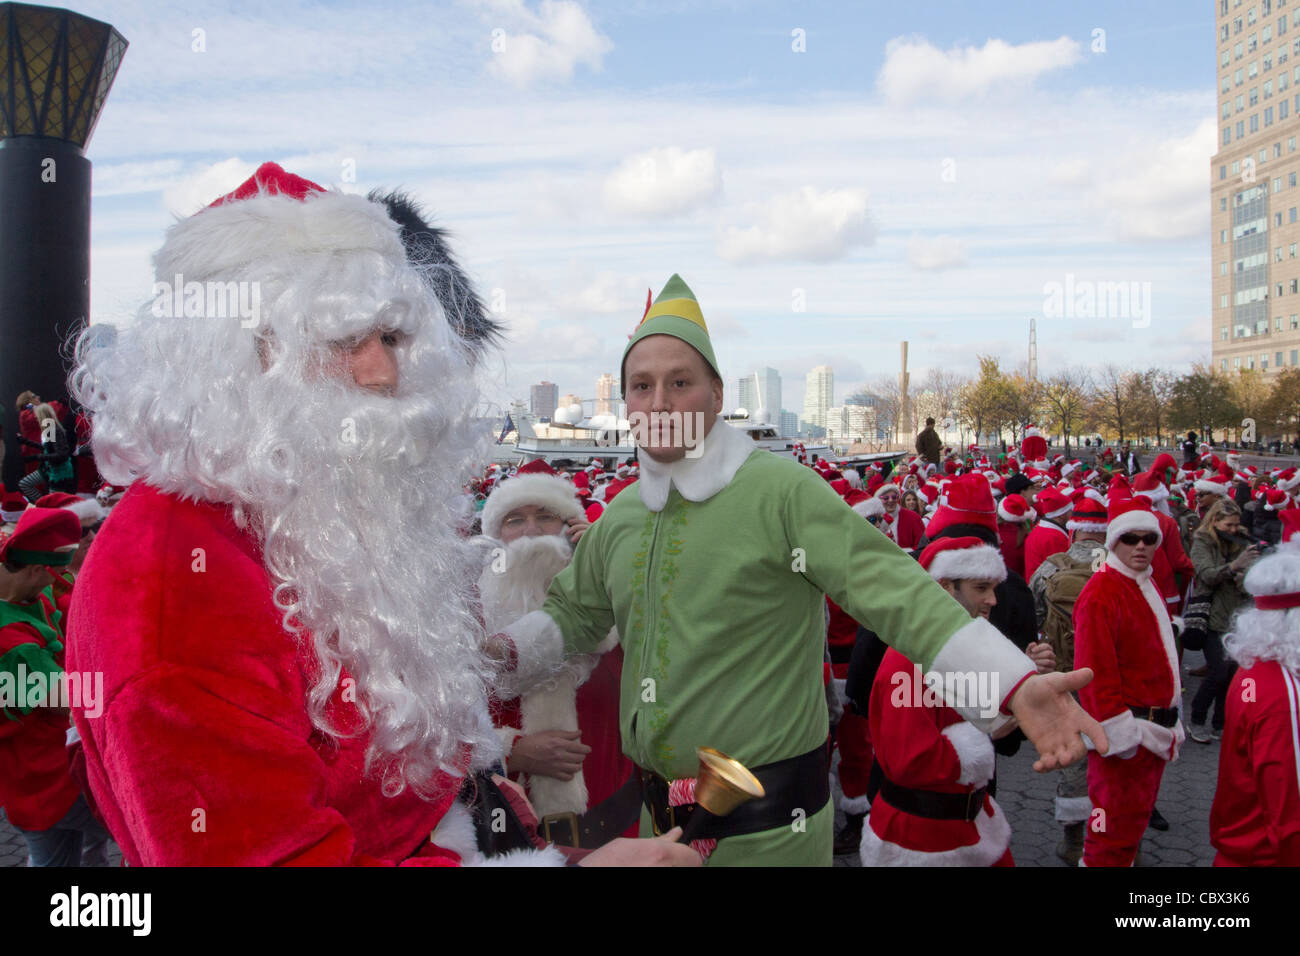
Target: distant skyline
828 178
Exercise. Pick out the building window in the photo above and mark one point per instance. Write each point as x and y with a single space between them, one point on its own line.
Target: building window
1294 319
1241 128
1252 69
1295 356
1265 36
1293 250
1268 89
1223 334
1277 324
1279 290
1290 145
1251 43
1250 362
1291 214
1261 327
1236 363
1263 155
1283 110
1236 166
1227 109
1277 360
1277 219
1263 362
1254 122
1223 301
1268 116
1223 237
1223 365
1277 184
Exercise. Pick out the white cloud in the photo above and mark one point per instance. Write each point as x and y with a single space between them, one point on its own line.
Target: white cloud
938 253
1070 172
1158 192
914 69
528 47
663 182
191 193
808 224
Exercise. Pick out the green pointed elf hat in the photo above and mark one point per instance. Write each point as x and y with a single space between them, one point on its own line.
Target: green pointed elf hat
675 313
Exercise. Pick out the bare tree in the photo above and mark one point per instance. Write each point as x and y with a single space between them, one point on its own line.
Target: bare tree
1067 395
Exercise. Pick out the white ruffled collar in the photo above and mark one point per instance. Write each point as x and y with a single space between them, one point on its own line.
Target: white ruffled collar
722 453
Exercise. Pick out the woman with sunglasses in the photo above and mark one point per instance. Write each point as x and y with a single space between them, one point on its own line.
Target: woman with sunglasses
1221 558
1123 633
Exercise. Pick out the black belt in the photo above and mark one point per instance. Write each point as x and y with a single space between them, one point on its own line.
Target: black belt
795 784
1164 716
931 804
600 824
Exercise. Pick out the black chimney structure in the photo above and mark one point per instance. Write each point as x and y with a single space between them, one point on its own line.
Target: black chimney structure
56 68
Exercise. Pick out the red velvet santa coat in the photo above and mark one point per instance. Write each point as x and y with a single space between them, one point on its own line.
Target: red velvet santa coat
907 529
928 748
205 709
36 789
1122 631
1012 548
1171 559
1047 538
1255 820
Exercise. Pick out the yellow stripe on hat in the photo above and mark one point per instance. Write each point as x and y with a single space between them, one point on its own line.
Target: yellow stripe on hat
687 309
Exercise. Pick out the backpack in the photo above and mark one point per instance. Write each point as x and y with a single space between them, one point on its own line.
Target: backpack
1061 593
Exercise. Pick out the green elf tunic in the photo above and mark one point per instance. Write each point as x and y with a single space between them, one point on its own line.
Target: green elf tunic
714 574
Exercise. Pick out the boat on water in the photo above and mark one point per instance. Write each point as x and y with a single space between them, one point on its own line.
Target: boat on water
608 439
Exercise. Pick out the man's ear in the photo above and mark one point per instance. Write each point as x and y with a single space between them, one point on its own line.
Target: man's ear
717 396
948 586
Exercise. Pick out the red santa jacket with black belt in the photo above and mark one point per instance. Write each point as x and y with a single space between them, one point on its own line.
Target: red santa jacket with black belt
1255 820
205 752
927 748
1122 631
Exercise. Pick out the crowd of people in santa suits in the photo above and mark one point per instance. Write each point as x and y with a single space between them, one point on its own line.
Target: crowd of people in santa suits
1030 542
1005 537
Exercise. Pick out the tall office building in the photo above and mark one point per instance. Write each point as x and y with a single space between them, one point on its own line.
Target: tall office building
543 398
1254 194
819 385
746 397
789 424
607 397
767 392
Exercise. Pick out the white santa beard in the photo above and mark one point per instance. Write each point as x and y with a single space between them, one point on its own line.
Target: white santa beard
519 587
367 559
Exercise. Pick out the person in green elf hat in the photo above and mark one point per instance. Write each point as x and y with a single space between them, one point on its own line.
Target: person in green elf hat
715 573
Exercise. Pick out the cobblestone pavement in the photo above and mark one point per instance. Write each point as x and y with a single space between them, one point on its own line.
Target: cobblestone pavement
1026 797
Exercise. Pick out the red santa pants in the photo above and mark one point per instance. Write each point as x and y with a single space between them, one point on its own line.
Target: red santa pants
854 741
1123 793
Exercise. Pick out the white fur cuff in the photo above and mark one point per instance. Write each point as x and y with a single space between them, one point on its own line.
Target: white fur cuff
974 751
980 647
539 652
1123 733
860 804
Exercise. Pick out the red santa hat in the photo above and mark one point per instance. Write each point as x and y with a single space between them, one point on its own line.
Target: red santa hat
868 507
1290 523
1014 508
86 509
1050 503
968 501
1149 484
960 559
841 486
535 487
1163 462
12 506
44 536
1218 484
1275 499
1089 512
1128 515
1289 480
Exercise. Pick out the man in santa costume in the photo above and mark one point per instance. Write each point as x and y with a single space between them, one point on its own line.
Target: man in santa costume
39 795
1049 534
1123 633
282 605
933 807
737 665
560 738
1255 820
1014 519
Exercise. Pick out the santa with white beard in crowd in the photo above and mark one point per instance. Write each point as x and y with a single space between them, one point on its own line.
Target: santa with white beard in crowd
560 739
282 605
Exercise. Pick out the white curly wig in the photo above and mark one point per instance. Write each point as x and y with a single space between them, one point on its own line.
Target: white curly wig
353 494
1259 635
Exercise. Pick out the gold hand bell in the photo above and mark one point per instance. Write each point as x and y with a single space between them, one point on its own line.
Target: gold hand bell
722 784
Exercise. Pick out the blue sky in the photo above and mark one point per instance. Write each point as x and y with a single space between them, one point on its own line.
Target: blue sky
919 173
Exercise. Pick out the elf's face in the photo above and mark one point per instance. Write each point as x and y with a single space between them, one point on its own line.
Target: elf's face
673 397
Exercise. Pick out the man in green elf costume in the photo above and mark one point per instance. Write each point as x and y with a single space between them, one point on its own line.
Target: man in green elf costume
714 573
